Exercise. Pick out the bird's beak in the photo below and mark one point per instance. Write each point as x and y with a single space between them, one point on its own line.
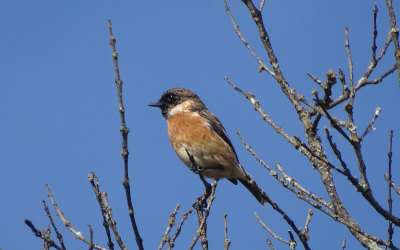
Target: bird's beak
156 104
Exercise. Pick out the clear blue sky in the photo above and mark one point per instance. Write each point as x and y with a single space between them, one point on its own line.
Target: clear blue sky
59 119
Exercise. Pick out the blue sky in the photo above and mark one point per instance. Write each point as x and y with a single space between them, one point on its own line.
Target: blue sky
59 118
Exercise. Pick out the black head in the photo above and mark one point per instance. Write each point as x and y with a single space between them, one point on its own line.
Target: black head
173 97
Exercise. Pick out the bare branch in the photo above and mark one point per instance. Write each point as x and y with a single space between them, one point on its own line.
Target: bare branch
347 45
390 230
171 223
59 236
262 65
91 237
344 244
270 231
206 213
227 241
270 244
383 51
178 230
315 79
371 124
41 235
77 234
111 220
378 79
305 232
261 5
96 189
395 36
292 242
345 94
124 131
392 184
300 192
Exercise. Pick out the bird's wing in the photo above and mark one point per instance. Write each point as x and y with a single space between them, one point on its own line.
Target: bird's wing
216 126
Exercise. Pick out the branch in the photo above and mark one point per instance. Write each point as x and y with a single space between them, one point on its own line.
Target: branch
289 221
392 184
338 155
124 131
347 45
305 232
227 241
262 65
292 241
77 234
178 230
102 209
91 237
206 213
315 79
39 234
371 124
395 36
300 192
390 230
344 244
378 79
171 223
59 236
270 244
270 231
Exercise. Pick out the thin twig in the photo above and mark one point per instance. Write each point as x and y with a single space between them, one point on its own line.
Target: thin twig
77 234
124 131
338 155
96 189
384 48
206 213
289 221
171 223
262 64
178 229
227 241
390 230
309 216
378 79
261 5
347 45
111 220
59 236
300 192
344 244
41 235
91 237
270 244
292 241
395 35
315 79
371 124
392 184
269 230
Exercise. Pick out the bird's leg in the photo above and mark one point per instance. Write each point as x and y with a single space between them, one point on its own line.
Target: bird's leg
201 202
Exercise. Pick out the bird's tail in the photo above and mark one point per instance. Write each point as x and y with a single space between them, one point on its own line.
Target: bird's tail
252 186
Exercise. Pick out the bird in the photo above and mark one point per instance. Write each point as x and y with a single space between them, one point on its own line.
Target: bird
196 133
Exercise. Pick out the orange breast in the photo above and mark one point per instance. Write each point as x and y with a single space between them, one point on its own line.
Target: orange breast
189 131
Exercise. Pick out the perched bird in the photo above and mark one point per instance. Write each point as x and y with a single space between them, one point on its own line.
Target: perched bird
194 130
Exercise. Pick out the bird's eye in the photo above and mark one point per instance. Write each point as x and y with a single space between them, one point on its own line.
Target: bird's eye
170 97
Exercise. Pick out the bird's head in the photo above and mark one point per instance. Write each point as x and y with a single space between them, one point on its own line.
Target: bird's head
177 99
